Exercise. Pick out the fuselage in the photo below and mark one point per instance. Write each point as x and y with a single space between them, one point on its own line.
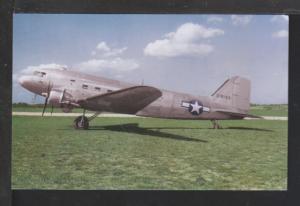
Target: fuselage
175 105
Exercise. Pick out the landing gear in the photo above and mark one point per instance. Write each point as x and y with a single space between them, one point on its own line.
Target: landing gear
215 124
82 122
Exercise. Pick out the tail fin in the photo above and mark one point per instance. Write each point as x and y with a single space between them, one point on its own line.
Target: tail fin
234 92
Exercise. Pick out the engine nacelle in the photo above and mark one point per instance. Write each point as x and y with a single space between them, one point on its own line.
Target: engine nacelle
55 98
61 99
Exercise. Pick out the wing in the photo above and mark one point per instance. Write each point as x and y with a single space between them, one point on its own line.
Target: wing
129 100
238 115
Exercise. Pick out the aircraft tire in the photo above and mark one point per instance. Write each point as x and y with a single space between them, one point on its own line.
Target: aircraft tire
79 124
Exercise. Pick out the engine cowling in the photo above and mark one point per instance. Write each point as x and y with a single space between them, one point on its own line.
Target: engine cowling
55 98
62 99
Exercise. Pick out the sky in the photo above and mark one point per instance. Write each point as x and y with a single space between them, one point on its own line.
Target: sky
186 53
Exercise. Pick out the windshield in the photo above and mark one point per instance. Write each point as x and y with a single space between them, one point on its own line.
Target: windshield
38 73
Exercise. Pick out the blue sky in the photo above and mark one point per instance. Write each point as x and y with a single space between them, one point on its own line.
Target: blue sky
187 53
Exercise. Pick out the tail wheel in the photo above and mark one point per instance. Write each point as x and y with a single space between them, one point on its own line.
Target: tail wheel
81 122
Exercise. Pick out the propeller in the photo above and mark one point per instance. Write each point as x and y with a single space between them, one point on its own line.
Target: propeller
46 99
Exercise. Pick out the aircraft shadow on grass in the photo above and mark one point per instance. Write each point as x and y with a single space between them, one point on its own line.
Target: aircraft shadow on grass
250 128
135 129
235 128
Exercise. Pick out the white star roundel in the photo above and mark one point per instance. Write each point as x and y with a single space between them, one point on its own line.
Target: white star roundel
195 107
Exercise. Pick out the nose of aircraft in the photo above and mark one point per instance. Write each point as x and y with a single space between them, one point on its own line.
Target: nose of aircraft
33 84
24 80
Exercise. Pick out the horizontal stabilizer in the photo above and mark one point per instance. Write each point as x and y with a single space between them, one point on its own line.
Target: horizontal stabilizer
129 100
254 116
238 115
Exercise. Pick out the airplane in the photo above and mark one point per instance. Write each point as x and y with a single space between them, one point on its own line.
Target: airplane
69 89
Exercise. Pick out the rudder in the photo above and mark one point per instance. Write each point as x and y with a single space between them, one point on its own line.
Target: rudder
234 92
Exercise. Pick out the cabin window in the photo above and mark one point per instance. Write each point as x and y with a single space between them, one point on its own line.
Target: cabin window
97 88
40 74
85 86
109 90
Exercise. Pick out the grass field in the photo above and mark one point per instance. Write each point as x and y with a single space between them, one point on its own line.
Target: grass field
280 110
146 153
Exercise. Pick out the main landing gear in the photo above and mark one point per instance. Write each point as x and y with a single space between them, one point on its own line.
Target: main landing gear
215 124
82 122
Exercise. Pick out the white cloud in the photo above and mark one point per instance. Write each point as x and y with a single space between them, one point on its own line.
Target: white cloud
102 46
280 18
187 40
165 48
214 19
115 64
281 34
107 59
31 69
115 52
241 20
104 50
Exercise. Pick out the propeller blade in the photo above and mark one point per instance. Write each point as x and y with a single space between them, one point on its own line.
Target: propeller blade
45 105
51 109
46 100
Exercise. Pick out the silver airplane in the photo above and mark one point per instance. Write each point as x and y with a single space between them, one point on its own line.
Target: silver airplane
69 89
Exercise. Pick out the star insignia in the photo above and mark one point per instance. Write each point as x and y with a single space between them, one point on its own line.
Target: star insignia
195 107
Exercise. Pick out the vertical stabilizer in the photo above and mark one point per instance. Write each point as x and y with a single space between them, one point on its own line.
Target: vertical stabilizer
235 93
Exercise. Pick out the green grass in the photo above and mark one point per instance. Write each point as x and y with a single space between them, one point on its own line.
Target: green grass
280 110
145 153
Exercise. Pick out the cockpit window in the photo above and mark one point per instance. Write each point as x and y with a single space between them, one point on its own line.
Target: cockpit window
40 74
